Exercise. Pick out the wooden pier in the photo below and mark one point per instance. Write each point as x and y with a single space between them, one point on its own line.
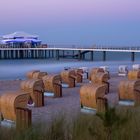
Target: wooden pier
57 52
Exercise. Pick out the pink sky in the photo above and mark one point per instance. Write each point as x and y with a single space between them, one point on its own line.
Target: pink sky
44 16
67 9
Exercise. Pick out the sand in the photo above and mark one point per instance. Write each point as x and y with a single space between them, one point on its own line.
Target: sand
68 105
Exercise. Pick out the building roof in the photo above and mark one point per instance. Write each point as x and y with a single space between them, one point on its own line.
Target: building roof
19 35
20 40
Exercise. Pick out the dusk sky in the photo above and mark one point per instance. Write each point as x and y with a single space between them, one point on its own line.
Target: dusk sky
84 22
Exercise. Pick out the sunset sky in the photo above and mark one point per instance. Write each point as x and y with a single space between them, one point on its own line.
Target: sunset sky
84 22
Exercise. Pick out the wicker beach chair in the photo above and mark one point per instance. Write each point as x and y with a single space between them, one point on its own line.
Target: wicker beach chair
14 108
129 90
134 75
94 71
35 87
36 74
52 83
101 78
89 94
39 75
10 100
79 75
29 74
68 77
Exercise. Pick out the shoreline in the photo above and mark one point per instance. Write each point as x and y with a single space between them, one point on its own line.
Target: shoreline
12 70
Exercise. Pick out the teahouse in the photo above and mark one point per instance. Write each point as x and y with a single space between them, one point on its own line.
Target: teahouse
20 39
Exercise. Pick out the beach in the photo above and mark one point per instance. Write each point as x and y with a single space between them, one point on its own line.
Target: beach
68 105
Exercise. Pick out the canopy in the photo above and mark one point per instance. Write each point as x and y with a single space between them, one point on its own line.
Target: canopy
20 40
19 35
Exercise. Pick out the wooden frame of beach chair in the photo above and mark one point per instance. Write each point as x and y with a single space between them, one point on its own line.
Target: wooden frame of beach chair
102 104
89 94
35 87
79 75
52 83
10 101
137 97
23 118
101 78
58 90
69 77
130 90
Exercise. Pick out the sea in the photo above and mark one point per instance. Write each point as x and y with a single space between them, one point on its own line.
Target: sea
17 68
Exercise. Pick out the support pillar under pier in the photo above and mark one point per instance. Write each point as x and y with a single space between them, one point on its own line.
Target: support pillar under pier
91 56
79 55
57 54
132 56
104 55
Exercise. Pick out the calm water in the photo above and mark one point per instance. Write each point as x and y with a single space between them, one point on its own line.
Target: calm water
15 69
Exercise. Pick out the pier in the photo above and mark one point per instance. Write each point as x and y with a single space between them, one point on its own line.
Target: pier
59 52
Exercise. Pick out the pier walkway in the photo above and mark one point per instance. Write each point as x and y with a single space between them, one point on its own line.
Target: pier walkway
63 51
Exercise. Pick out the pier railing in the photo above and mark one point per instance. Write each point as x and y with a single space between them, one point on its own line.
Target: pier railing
75 47
62 51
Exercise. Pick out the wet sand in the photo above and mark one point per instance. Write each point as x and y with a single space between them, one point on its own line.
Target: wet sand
68 105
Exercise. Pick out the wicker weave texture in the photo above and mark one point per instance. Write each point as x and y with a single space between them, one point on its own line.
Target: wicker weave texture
95 71
10 100
128 88
31 86
39 75
99 77
89 94
30 73
67 74
134 75
50 80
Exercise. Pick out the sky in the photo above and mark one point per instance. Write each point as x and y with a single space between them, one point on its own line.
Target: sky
82 22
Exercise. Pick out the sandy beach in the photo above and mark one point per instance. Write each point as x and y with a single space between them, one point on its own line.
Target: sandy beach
68 105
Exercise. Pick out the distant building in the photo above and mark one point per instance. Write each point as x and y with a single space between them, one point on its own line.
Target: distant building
20 40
